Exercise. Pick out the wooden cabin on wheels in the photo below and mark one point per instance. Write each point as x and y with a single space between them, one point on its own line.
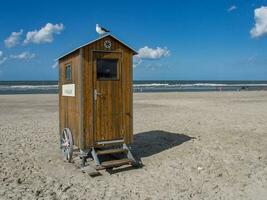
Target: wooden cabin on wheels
96 101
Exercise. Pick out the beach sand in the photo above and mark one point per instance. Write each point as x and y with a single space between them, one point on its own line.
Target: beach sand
193 146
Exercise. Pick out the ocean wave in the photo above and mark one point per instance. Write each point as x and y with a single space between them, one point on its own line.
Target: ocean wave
199 85
17 87
151 85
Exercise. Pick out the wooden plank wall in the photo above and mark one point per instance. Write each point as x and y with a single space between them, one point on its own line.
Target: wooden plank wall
88 89
69 107
128 95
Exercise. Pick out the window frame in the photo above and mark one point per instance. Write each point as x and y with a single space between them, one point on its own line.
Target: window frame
117 78
68 65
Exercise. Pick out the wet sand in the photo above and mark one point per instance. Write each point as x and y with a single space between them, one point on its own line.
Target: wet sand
193 146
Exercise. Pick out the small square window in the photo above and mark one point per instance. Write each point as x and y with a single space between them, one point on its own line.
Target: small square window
68 72
107 69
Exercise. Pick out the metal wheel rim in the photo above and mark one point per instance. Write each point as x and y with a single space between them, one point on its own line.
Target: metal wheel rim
67 144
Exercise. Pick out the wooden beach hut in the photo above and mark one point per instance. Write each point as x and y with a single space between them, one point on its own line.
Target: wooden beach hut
96 101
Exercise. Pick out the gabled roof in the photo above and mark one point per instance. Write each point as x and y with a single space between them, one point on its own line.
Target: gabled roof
135 52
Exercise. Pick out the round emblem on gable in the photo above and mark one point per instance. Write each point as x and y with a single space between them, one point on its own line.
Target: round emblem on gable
107 44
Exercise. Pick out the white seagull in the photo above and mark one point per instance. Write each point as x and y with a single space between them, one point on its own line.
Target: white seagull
100 30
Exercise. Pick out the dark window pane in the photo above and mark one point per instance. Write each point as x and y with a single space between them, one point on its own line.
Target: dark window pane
68 73
106 68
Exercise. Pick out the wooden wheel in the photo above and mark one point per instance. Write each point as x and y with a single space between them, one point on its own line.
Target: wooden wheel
67 144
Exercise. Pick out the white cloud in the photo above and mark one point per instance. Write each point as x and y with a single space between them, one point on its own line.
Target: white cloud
146 53
55 65
2 58
231 8
23 56
149 53
154 66
44 35
136 61
260 28
13 39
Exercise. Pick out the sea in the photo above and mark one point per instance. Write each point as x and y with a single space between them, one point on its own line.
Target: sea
51 87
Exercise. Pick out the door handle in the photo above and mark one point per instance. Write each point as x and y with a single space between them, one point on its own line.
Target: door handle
97 93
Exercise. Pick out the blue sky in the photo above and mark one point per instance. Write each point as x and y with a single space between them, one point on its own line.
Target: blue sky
185 40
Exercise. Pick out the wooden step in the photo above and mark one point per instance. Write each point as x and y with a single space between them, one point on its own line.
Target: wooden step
90 170
116 163
111 151
110 142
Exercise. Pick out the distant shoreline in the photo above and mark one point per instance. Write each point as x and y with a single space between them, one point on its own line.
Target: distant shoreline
51 87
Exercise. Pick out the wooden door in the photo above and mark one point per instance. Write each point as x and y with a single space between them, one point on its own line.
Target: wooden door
107 96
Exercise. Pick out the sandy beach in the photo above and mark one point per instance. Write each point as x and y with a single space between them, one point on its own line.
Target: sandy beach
193 146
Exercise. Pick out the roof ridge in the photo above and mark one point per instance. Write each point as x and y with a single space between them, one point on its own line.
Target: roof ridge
92 41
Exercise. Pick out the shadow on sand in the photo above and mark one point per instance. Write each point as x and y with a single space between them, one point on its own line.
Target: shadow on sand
153 142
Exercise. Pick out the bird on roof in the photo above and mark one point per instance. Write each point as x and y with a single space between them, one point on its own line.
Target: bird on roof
100 30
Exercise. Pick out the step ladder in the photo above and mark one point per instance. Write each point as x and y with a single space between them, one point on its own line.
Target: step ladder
112 153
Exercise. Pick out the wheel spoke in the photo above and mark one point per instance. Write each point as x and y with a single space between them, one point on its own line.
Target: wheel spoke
67 144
